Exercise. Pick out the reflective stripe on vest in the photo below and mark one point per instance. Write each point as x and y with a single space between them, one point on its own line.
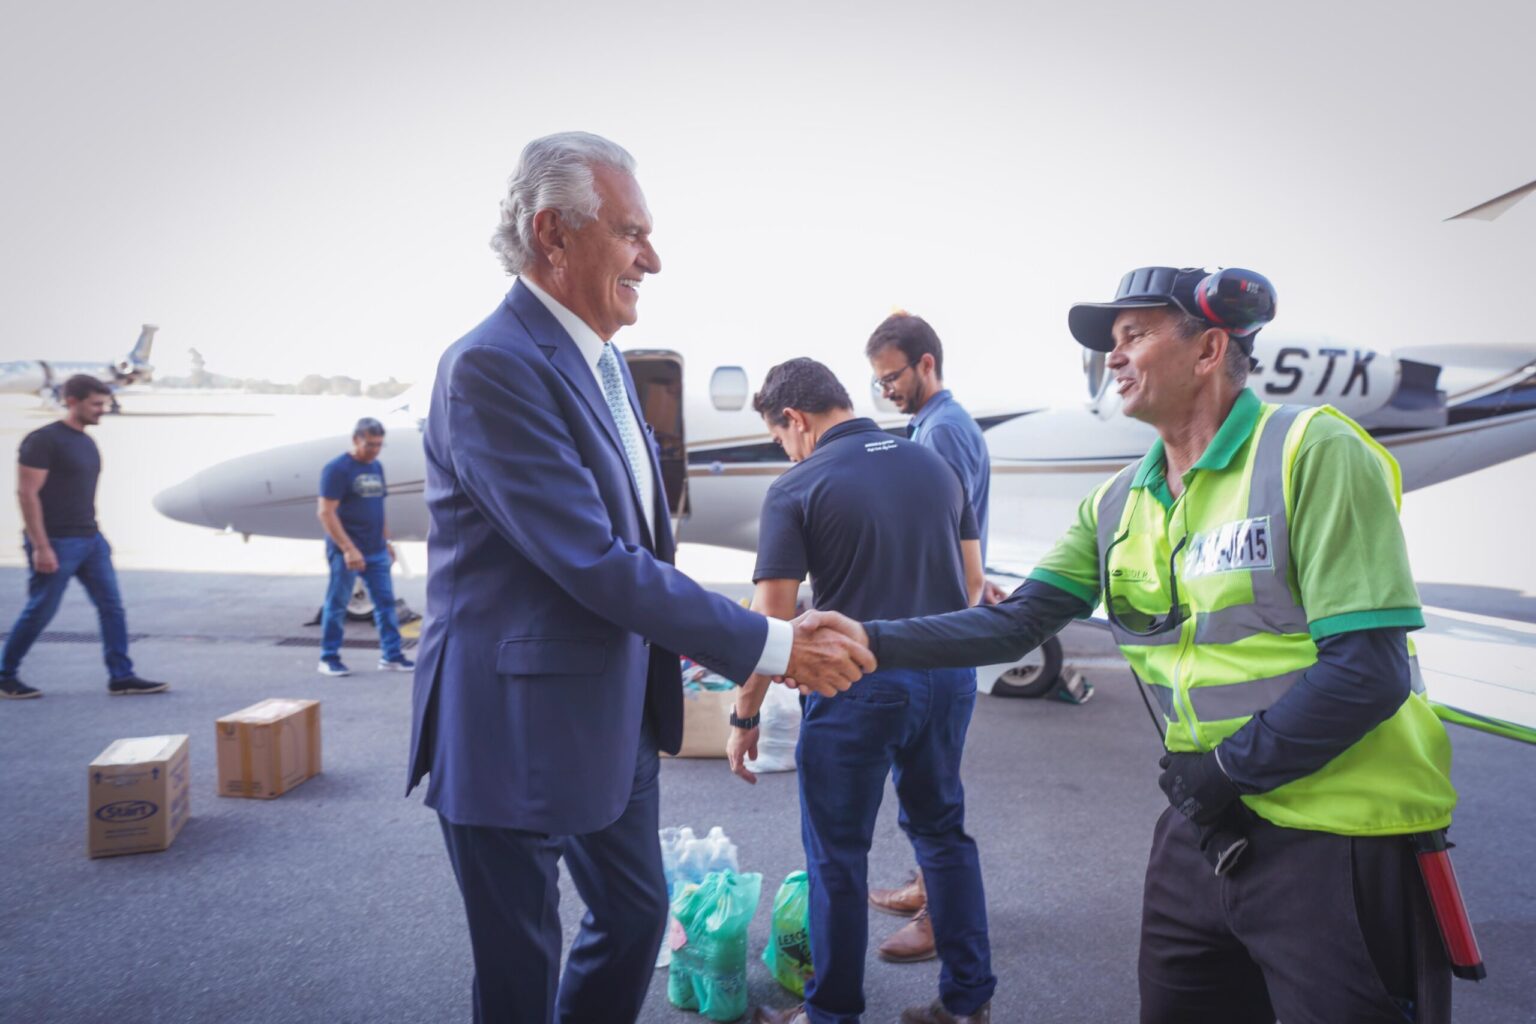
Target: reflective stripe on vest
1111 510
1274 608
1239 700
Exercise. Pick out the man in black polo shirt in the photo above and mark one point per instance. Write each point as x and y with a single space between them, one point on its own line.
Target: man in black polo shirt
878 523
56 484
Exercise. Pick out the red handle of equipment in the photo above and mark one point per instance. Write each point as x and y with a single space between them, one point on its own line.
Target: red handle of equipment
1450 912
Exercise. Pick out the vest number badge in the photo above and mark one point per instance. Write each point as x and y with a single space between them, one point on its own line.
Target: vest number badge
1229 548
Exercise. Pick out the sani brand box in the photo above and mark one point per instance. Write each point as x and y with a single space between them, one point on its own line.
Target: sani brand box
139 795
268 748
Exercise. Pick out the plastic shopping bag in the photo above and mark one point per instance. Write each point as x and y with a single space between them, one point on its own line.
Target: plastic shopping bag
687 858
780 732
709 944
788 955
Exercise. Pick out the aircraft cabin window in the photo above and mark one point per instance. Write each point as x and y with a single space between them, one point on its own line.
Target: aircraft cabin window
729 388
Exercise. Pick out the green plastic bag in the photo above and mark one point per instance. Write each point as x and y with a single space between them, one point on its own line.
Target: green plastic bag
709 944
788 955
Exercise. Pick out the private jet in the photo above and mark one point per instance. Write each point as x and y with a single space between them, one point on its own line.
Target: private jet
45 377
1442 413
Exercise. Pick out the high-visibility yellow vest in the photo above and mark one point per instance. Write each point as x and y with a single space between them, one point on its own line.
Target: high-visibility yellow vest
1245 640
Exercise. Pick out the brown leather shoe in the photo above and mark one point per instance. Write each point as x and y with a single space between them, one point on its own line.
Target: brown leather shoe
767 1015
936 1014
913 943
903 901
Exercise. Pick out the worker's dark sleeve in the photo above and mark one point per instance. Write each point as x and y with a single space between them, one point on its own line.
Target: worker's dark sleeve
983 635
1360 680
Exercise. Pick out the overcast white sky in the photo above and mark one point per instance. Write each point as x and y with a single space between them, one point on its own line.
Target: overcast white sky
297 187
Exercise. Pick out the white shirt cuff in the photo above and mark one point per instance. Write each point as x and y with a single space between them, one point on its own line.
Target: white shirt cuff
775 657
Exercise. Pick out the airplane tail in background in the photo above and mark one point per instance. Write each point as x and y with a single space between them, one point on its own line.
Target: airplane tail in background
140 353
135 367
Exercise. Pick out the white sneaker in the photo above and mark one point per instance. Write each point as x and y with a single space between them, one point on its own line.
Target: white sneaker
400 664
333 667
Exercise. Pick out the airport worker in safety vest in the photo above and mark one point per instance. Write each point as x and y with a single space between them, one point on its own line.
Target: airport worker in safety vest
1254 573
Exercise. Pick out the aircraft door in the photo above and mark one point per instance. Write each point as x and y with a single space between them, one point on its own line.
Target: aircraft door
659 393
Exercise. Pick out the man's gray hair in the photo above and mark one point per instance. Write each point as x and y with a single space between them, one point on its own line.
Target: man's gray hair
554 173
1238 360
368 426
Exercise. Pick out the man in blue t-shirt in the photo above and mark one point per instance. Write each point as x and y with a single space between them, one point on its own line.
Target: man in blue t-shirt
876 522
357 543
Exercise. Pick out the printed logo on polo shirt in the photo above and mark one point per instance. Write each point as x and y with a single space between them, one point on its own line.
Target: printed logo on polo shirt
1231 547
368 485
880 446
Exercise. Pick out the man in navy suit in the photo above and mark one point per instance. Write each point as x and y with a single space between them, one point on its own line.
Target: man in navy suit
548 673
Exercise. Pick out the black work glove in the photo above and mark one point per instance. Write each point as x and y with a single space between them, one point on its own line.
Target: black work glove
1225 842
1196 786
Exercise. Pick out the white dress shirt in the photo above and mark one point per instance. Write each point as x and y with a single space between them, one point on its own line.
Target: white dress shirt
774 659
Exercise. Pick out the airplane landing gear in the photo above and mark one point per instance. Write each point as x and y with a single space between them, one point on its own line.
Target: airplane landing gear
360 607
1036 676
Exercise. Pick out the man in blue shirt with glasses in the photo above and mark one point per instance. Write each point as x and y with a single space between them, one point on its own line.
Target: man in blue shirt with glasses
908 363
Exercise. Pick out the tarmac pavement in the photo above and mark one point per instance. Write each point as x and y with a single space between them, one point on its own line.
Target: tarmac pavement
335 902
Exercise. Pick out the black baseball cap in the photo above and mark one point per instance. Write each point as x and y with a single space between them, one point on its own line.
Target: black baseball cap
1143 288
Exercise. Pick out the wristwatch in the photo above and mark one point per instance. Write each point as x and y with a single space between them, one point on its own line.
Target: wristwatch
745 723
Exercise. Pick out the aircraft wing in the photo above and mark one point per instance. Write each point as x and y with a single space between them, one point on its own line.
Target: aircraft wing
1480 671
1493 208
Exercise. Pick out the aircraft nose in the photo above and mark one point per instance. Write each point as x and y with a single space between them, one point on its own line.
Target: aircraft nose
183 503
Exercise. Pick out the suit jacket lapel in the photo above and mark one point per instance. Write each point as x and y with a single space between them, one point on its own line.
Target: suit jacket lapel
567 358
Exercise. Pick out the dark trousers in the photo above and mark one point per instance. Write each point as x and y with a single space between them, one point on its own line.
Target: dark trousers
1310 928
912 723
333 617
89 559
510 883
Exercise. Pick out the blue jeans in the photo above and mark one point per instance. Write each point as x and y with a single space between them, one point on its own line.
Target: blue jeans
89 558
380 588
911 723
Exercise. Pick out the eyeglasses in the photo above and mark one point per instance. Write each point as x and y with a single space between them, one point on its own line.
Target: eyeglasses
889 380
1134 621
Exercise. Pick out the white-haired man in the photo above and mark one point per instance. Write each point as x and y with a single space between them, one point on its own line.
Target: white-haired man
548 672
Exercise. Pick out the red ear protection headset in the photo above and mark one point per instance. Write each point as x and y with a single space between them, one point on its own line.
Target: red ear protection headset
1239 300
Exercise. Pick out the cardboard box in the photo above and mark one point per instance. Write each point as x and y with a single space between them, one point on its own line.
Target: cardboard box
268 748
706 721
139 795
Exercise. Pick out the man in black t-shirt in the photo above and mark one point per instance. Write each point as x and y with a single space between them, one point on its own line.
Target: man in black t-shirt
56 482
877 522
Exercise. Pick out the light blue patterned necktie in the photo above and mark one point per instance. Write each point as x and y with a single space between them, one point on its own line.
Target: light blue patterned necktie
618 406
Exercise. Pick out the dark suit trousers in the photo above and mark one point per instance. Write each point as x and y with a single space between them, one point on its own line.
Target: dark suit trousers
510 883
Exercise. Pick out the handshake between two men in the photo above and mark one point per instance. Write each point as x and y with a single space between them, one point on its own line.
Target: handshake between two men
831 653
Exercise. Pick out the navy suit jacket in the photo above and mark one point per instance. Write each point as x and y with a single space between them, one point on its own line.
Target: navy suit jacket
553 619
